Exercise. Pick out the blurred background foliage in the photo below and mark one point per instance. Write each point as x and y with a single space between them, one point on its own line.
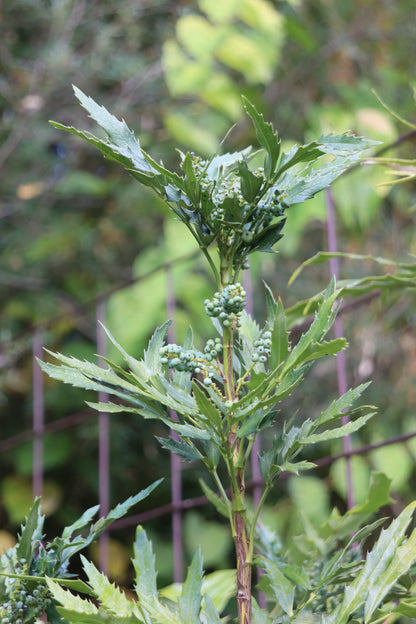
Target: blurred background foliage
74 226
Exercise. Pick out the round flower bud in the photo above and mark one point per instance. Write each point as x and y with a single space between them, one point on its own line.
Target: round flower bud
247 236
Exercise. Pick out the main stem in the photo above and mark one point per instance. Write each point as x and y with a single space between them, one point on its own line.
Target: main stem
239 515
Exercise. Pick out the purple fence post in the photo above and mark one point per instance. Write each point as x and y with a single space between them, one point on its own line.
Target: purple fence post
38 416
103 444
338 332
175 461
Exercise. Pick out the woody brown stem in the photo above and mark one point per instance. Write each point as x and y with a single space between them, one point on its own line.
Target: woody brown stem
242 550
239 516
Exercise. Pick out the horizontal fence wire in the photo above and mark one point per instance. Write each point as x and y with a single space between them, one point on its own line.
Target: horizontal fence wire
92 303
199 501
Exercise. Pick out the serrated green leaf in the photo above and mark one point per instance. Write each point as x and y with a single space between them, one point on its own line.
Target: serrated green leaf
268 237
255 423
90 377
283 589
206 407
324 317
112 599
170 177
325 256
152 354
219 503
339 432
30 531
296 467
81 523
341 404
344 144
186 450
322 349
137 366
144 565
220 164
378 495
403 558
112 153
298 154
189 431
377 563
190 598
121 137
250 184
267 461
71 601
276 323
266 136
296 188
209 611
220 587
118 512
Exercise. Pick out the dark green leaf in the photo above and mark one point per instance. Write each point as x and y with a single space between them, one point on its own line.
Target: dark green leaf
255 423
250 184
81 523
31 531
144 565
305 153
186 450
209 610
385 563
266 136
151 355
189 431
282 588
190 598
339 432
219 503
206 407
276 323
341 404
268 237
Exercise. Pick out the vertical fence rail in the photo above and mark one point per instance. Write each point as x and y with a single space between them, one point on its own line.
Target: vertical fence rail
175 460
103 444
38 415
338 332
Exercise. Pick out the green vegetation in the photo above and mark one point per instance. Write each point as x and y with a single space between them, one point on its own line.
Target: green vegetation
73 227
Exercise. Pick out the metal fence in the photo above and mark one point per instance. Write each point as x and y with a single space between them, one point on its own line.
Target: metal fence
178 505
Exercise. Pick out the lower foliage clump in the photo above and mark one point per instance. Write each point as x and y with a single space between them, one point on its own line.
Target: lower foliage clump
324 576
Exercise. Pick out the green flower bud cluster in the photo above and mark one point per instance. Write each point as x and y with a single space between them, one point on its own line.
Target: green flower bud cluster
182 359
227 305
227 213
23 606
192 361
260 215
263 347
212 349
